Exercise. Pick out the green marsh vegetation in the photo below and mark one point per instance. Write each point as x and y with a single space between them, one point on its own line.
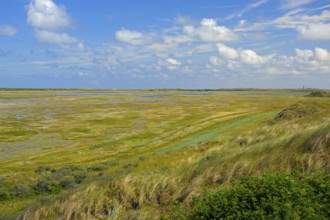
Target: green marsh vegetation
107 154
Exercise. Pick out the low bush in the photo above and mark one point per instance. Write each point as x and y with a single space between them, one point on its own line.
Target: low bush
20 190
67 182
50 181
4 194
77 172
42 169
99 167
64 178
79 176
319 93
47 184
272 196
2 179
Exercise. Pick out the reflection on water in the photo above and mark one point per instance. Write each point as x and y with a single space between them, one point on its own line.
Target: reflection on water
169 95
83 94
19 117
156 96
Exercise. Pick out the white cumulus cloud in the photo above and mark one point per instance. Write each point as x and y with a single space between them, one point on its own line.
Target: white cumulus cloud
7 30
170 42
131 37
304 62
252 58
48 19
45 14
308 27
215 60
227 52
305 54
55 38
210 31
173 61
314 31
249 57
322 54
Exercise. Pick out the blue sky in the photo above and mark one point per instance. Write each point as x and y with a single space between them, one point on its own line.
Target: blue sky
165 44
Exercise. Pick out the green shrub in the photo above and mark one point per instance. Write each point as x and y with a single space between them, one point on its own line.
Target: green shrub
68 170
319 93
47 184
67 182
79 176
2 179
43 169
275 196
50 181
4 194
99 167
20 190
53 181
178 211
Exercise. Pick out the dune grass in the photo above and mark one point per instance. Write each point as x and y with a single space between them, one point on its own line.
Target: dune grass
146 150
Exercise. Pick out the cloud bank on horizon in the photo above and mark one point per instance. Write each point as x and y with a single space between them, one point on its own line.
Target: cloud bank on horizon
172 44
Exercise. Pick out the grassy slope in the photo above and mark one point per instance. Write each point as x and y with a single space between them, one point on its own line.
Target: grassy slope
167 147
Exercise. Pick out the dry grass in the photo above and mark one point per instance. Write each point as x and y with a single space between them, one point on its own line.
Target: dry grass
165 148
135 194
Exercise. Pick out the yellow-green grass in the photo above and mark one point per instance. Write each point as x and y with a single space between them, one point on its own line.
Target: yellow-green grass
166 145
